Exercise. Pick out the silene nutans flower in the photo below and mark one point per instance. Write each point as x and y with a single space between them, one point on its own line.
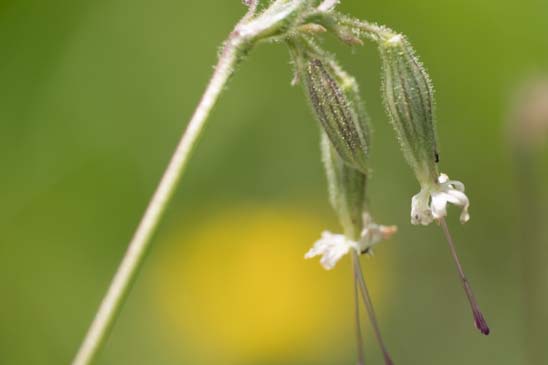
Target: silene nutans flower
409 100
347 195
336 104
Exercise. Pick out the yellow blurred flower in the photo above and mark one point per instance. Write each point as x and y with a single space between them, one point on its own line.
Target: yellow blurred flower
236 289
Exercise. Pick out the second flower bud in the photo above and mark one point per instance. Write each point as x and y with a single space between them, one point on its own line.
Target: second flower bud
335 100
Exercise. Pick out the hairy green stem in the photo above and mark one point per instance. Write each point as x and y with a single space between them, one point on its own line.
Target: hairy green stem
139 244
369 30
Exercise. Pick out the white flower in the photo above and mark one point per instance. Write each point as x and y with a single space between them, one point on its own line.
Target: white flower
431 202
332 247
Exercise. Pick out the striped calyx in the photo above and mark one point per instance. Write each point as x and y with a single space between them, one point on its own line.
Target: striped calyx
409 100
336 103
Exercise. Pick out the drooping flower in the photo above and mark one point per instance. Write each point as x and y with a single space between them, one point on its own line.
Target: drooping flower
332 247
347 196
431 202
409 101
335 100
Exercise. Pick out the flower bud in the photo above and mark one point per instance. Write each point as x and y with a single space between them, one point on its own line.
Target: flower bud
337 105
408 97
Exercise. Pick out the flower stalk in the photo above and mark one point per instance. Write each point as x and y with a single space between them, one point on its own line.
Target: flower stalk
139 244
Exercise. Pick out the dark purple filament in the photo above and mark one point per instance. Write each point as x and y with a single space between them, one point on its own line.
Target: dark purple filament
479 320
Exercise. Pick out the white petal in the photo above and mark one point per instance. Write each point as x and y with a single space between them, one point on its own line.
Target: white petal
460 199
439 205
464 215
457 185
457 197
449 191
331 247
420 209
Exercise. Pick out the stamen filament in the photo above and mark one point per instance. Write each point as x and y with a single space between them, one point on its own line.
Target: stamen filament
359 337
479 320
369 306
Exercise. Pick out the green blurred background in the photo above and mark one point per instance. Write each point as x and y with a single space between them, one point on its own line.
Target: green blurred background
93 98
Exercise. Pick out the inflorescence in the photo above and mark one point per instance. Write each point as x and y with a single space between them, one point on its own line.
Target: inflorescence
336 103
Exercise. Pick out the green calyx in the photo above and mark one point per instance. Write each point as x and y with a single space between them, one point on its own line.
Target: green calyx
409 101
347 190
335 100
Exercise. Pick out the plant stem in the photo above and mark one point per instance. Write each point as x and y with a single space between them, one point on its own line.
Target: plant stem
139 244
372 31
369 307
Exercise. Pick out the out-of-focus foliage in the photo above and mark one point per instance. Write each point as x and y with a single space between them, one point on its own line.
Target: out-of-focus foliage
93 98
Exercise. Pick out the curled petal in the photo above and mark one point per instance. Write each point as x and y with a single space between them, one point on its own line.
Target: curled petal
453 192
457 185
431 203
460 199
